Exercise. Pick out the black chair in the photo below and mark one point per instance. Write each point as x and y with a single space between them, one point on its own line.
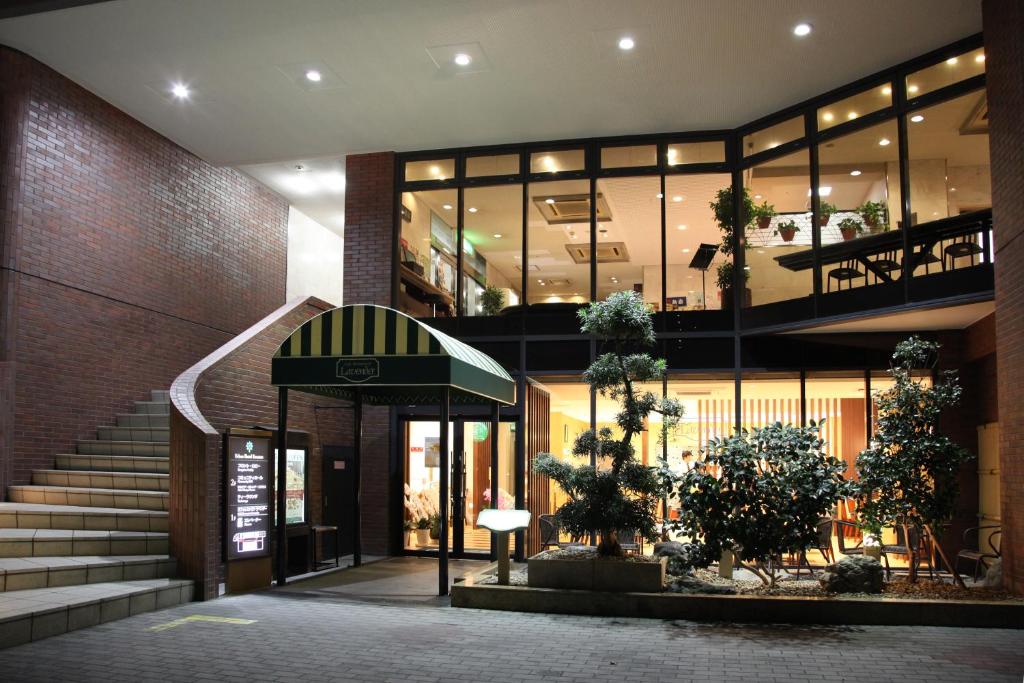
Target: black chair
549 531
918 541
961 247
885 263
841 527
846 272
926 260
972 551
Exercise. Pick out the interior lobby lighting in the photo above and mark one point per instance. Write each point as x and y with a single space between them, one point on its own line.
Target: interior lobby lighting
497 235
447 207
549 200
180 90
952 61
802 29
677 198
658 196
883 142
917 118
462 59
686 251
472 209
886 91
851 116
313 75
912 89
855 173
757 196
681 226
980 59
626 43
827 116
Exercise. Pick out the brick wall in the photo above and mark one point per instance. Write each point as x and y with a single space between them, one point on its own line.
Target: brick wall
369 245
1003 22
124 260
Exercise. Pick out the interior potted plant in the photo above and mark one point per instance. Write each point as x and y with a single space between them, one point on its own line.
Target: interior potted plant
434 524
787 230
825 211
423 532
873 215
850 227
492 300
763 215
407 528
723 210
724 281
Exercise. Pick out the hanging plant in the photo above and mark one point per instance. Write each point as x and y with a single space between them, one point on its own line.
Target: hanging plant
787 230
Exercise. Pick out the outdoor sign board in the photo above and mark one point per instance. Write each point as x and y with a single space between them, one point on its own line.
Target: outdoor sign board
295 486
248 476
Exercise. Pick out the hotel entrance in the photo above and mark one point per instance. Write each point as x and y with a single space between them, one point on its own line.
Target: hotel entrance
477 478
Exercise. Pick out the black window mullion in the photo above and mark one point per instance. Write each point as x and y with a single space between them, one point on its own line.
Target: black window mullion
906 272
593 239
461 205
811 121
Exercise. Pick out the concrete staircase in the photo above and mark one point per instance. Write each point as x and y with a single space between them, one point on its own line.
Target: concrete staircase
86 542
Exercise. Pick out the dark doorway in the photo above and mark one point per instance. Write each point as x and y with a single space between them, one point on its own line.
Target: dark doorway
338 490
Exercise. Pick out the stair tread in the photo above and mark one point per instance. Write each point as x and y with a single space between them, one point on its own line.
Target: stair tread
123 457
90 489
12 565
60 534
105 473
74 509
113 441
19 604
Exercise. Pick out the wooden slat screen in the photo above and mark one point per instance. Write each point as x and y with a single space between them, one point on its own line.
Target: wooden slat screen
538 440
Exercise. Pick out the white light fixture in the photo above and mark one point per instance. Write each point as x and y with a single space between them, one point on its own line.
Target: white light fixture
549 163
659 195
887 91
681 226
980 59
912 89
549 200
497 235
884 142
677 198
472 209
757 196
855 173
435 170
802 29
827 116
823 191
686 251
447 207
772 145
313 76
917 118
952 189
850 116
462 59
626 43
952 61
180 90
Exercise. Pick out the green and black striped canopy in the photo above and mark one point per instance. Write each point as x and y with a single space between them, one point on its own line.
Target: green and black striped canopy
392 358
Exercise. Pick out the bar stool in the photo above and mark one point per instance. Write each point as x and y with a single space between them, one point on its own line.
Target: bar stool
962 247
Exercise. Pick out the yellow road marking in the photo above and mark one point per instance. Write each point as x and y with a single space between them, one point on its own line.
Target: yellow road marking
201 617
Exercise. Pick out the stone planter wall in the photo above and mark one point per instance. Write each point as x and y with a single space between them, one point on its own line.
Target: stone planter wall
610 575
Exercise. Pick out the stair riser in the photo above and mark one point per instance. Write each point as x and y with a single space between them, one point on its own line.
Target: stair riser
152 408
54 577
144 421
160 395
133 434
125 463
128 501
88 546
85 521
130 482
123 448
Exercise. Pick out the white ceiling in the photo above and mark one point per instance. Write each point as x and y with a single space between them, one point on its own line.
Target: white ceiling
930 320
547 69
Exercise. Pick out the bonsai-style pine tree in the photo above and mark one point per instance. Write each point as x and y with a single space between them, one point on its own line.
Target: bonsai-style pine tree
621 493
908 477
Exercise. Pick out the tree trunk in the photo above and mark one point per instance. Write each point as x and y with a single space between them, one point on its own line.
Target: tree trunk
609 545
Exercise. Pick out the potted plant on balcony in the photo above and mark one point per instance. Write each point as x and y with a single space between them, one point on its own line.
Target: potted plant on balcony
723 279
787 230
850 227
492 300
873 215
763 215
825 211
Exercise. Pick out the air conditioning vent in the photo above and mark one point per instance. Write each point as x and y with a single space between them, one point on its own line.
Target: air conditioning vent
607 252
570 208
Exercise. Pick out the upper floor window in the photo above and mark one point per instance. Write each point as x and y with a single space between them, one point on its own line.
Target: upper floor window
682 153
492 165
556 161
773 136
629 156
948 72
855 106
432 169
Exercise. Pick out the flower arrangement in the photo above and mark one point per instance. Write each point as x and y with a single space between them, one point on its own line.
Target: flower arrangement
505 499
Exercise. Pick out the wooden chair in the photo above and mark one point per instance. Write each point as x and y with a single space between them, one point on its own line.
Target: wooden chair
972 551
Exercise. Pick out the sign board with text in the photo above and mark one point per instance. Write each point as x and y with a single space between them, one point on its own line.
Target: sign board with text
248 477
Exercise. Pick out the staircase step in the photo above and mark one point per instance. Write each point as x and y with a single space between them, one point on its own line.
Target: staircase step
160 395
133 434
134 481
89 497
61 542
112 463
42 516
34 614
92 447
26 573
152 408
143 421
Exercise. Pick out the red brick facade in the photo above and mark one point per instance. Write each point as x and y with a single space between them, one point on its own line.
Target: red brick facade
123 260
1004 63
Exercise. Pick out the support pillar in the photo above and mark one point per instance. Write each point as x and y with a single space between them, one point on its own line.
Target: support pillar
357 456
281 536
442 498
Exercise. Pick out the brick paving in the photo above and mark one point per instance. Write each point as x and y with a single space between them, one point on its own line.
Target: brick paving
301 637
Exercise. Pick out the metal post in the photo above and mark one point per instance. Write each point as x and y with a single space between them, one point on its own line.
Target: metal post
357 449
442 499
494 474
281 540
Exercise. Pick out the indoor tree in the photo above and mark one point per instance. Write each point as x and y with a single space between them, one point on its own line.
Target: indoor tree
908 475
621 493
760 494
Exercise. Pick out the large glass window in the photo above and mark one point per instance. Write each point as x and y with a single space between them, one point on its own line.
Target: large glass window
770 397
855 106
434 169
682 153
773 136
492 165
780 227
629 156
947 72
492 249
556 161
559 241
427 250
692 245
629 237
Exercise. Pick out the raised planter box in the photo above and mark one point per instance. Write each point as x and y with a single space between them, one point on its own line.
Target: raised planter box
592 574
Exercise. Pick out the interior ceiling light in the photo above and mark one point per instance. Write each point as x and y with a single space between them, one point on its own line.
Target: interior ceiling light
313 75
917 118
677 198
980 59
681 226
462 59
886 91
851 115
883 142
550 200
626 43
686 251
497 235
912 89
827 116
659 196
855 173
757 196
447 207
952 61
802 29
472 209
180 90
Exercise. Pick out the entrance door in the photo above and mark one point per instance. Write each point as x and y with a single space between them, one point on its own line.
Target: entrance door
338 491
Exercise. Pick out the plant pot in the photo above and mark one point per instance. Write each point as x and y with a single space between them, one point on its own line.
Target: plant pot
422 537
725 297
787 235
848 233
823 219
763 222
725 564
408 539
874 551
870 222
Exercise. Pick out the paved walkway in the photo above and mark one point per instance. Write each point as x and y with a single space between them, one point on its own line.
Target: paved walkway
293 636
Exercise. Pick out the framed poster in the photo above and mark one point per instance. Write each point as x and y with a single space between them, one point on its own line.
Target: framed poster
295 485
432 451
247 498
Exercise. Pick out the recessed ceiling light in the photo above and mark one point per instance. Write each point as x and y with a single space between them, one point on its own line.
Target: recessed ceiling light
686 251
462 59
447 207
827 116
850 116
886 91
497 235
549 200
912 89
952 189
313 75
883 142
760 251
681 226
917 118
855 173
772 145
472 209
626 43
677 198
300 167
980 59
435 170
802 29
659 195
180 90
952 61
757 196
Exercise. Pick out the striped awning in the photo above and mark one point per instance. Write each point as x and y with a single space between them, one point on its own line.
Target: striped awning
393 358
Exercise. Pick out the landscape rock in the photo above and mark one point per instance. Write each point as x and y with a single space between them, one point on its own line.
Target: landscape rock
855 574
681 556
690 584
